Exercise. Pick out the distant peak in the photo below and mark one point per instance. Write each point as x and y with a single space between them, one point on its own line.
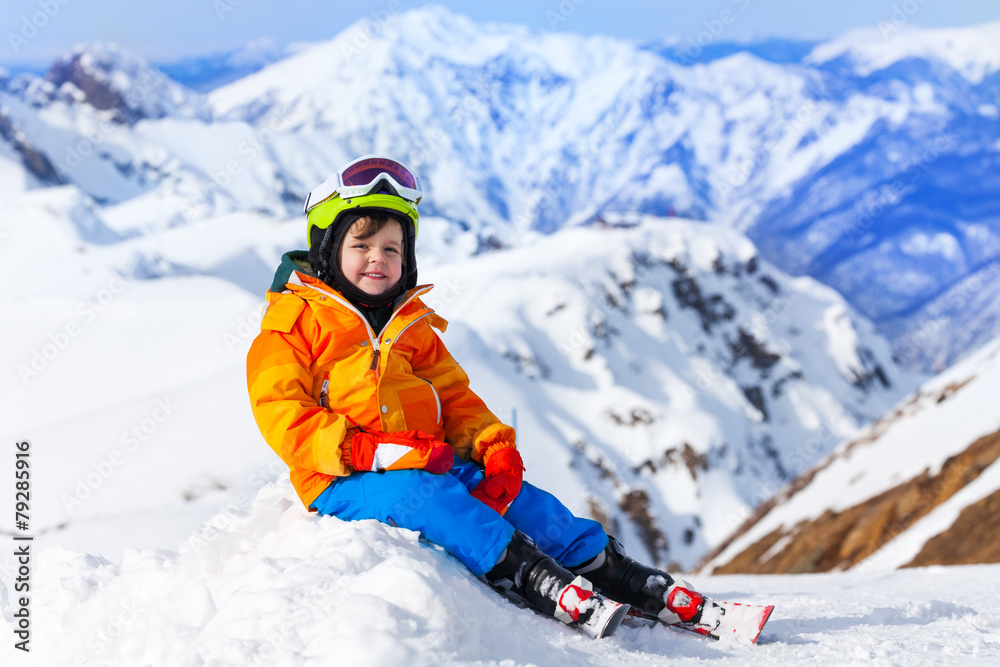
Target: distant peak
110 78
972 51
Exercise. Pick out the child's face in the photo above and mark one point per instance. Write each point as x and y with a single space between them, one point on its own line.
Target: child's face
374 264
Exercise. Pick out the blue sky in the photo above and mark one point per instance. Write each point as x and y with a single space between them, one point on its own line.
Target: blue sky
37 31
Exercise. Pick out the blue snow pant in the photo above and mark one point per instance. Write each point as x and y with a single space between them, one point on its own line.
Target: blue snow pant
441 509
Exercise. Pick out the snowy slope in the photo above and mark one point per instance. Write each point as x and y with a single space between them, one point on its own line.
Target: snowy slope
268 584
132 389
871 165
918 437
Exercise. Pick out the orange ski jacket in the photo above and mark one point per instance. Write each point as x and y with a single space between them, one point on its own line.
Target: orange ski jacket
317 362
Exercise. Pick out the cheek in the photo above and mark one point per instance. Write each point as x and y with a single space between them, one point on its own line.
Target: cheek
348 262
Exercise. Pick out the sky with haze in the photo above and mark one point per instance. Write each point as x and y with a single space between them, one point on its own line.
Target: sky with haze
36 32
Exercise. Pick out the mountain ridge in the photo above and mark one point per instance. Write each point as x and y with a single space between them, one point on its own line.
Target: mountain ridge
855 510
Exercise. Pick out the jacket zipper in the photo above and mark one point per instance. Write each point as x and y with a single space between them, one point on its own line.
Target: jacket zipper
411 324
324 394
391 317
376 350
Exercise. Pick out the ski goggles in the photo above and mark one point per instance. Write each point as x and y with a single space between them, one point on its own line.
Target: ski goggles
365 175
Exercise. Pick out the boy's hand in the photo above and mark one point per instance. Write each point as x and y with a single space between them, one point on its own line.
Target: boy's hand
504 470
400 450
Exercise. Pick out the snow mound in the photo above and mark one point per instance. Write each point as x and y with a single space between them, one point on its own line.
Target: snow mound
276 586
249 588
247 585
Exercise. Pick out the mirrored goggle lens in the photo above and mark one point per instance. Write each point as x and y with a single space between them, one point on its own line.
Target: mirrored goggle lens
366 171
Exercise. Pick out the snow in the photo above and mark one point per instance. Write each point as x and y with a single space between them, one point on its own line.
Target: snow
972 51
841 338
919 244
267 583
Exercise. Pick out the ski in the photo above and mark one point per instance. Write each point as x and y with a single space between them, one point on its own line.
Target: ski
744 621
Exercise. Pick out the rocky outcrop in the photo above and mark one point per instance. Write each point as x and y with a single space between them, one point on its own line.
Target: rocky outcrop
635 504
33 160
839 540
971 539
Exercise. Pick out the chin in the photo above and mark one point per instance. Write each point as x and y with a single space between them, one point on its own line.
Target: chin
374 290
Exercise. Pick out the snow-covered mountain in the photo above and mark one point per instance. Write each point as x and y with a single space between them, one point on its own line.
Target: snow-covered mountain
903 222
869 164
104 77
972 52
918 487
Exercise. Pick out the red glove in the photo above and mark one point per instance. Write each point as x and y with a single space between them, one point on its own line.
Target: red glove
400 450
503 479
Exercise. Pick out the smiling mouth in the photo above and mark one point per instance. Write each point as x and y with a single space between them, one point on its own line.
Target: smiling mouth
374 275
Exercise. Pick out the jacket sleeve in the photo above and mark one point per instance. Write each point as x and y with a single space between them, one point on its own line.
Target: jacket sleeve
300 430
470 427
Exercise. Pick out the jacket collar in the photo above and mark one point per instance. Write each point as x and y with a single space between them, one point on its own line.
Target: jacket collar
295 274
292 261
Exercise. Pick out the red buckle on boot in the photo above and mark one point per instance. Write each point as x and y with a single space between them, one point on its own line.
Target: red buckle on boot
683 602
570 600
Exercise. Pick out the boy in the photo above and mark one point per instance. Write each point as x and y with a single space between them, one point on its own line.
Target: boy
354 390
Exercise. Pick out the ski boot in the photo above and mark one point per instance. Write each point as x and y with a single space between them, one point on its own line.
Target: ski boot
553 590
650 592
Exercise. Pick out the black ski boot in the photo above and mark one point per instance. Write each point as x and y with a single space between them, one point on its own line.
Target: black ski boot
553 590
650 592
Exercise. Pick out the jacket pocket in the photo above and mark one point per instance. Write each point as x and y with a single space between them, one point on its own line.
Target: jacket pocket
437 399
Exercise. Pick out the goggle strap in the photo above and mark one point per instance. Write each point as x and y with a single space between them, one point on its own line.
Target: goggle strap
325 190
